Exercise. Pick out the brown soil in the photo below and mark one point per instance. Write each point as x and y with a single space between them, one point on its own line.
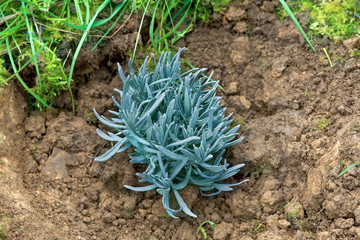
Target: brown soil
278 89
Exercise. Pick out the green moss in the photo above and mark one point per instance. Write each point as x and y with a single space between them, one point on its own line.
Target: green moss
90 118
4 74
53 77
336 19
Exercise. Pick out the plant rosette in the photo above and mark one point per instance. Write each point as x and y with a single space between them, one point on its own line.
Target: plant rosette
178 128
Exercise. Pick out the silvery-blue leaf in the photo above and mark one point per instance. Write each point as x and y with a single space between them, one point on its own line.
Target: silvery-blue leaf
163 191
198 154
209 157
183 205
215 145
115 137
139 160
126 88
170 111
149 150
132 140
178 168
232 131
141 189
168 129
230 172
159 81
216 185
181 142
161 164
233 142
145 177
144 66
137 138
116 102
170 154
125 147
153 107
194 118
189 72
117 120
104 136
130 67
161 72
207 189
212 176
188 154
222 187
121 73
200 182
183 184
111 152
105 121
165 201
160 183
142 104
187 102
210 194
219 156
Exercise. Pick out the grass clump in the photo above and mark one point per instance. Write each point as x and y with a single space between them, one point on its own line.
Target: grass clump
29 29
178 128
171 20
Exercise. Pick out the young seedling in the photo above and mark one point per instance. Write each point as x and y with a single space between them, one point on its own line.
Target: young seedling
258 227
322 124
202 230
328 57
346 169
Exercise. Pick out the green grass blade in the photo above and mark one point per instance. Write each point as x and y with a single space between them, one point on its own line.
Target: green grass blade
182 9
151 29
346 169
63 9
29 29
67 13
82 40
141 23
288 10
87 17
78 12
19 78
11 31
165 36
112 26
93 24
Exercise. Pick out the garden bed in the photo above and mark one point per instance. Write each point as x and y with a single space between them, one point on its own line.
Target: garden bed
300 119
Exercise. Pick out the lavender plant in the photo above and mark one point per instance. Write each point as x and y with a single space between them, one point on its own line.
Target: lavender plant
178 128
